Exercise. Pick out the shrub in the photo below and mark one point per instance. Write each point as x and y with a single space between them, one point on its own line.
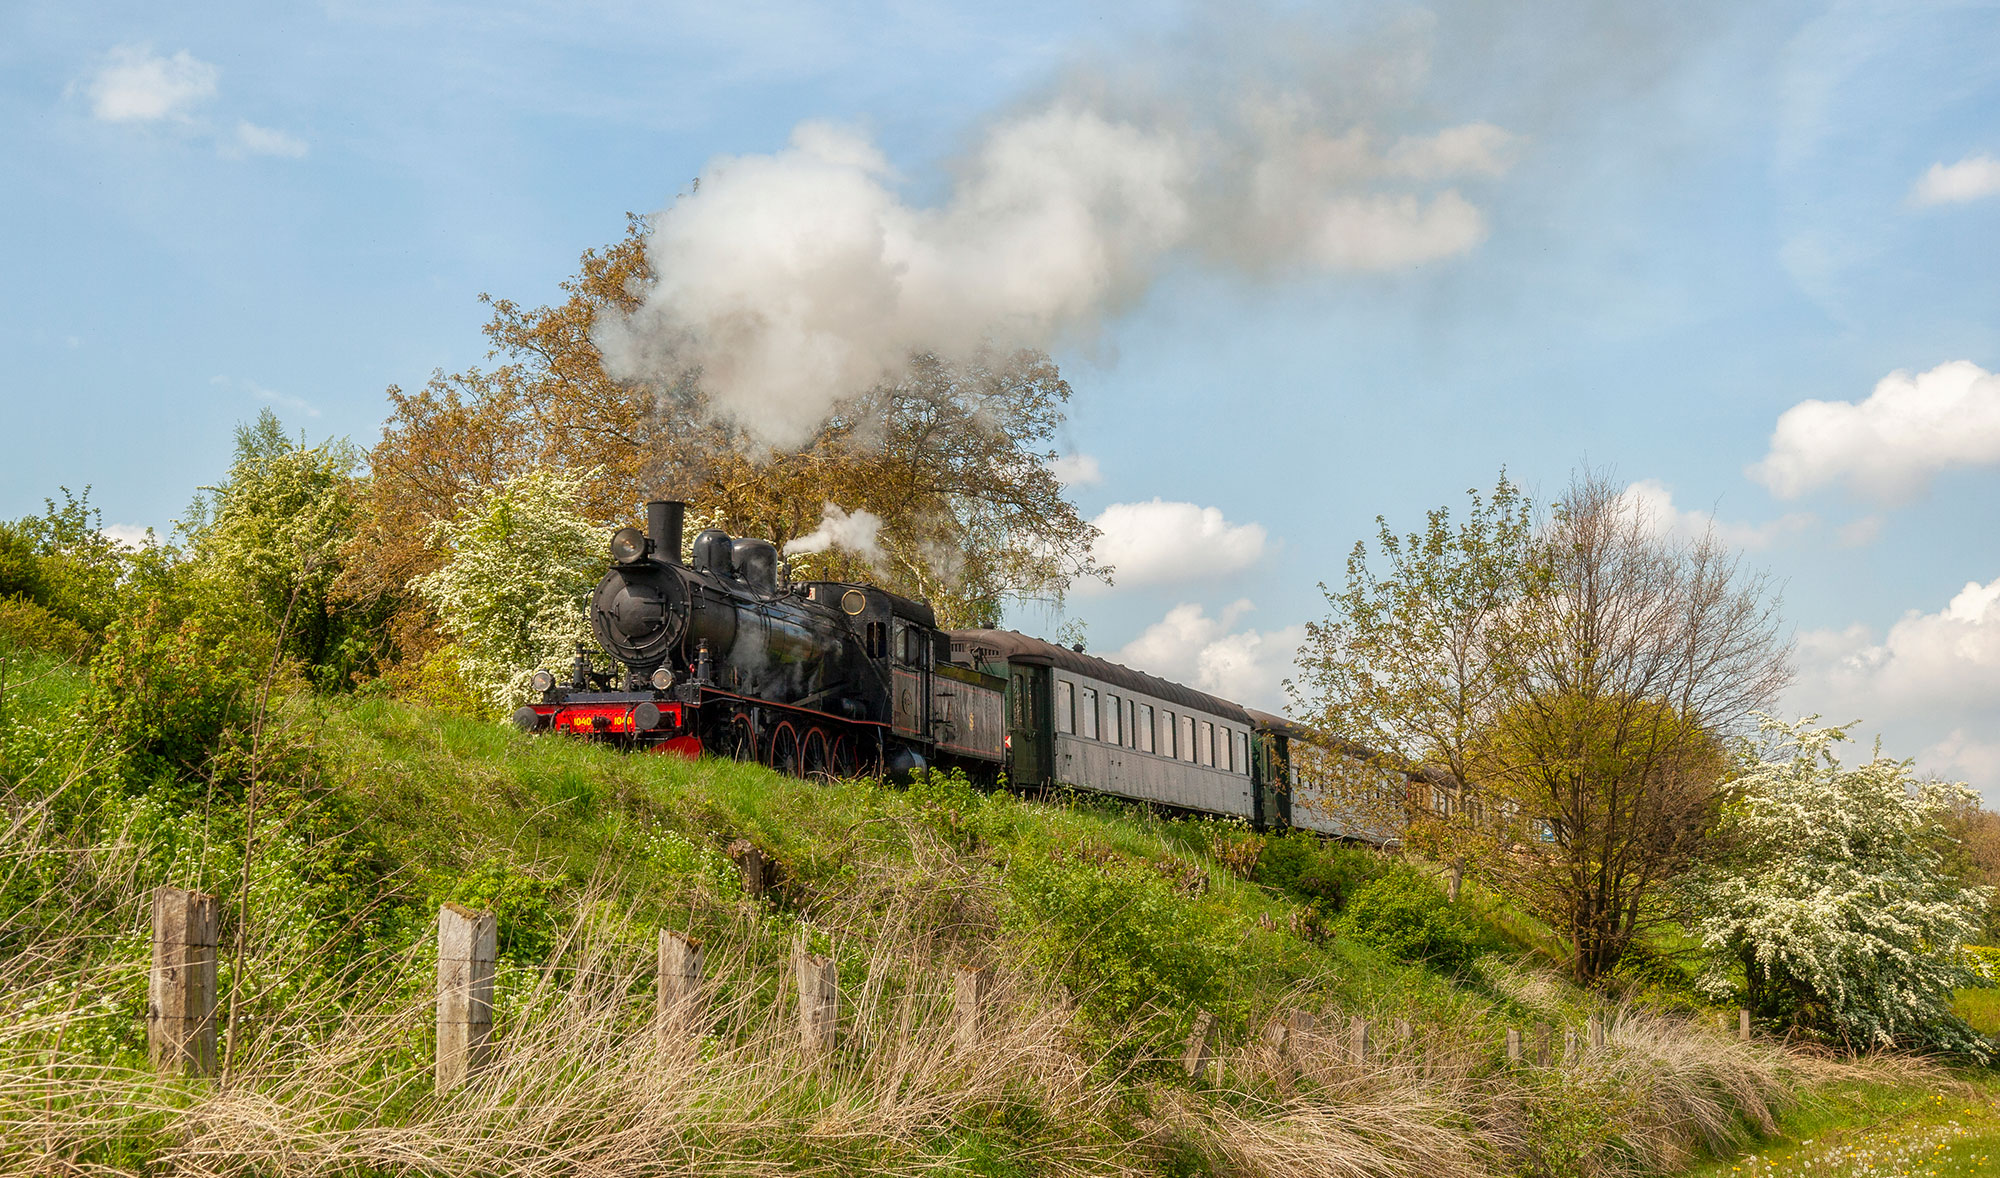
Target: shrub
26 624
1119 935
170 692
1323 874
1405 915
1835 912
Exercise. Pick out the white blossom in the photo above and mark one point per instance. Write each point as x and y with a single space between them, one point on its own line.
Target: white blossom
1834 898
514 592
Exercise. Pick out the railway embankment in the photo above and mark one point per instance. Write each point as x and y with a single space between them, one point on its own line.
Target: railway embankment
1000 985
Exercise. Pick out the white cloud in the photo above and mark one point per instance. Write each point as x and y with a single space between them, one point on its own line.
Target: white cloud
137 85
1162 543
131 537
1932 680
1076 470
1972 178
255 140
1189 646
1653 502
282 400
1889 446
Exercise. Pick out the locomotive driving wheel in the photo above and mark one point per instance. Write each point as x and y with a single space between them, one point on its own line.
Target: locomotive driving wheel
784 751
845 763
815 758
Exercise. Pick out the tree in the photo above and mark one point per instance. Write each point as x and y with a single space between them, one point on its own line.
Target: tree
1562 687
272 536
1830 903
511 595
950 457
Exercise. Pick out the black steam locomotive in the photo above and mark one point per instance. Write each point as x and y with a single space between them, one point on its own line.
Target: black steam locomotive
721 656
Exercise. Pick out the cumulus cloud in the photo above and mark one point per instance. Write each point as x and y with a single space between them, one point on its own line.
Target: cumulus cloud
793 280
1161 543
1972 178
1889 446
252 139
1932 682
1653 502
131 537
137 85
856 532
1190 646
1076 470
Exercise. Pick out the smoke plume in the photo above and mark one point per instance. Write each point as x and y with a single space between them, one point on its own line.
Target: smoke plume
796 279
854 532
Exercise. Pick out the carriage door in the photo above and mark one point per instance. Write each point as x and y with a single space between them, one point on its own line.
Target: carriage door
1031 745
911 696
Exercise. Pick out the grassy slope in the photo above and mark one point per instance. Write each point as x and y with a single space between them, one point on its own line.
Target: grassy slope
580 846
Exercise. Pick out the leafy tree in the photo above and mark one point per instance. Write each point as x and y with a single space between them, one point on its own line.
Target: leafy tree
1832 906
1559 689
511 595
271 537
63 561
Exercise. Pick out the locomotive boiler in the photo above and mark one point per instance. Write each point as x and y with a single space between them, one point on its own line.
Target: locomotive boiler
723 654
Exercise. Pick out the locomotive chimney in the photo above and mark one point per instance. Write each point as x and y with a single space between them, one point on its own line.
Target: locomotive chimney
663 528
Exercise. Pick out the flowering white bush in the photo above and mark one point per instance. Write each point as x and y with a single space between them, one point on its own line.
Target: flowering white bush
514 592
1835 902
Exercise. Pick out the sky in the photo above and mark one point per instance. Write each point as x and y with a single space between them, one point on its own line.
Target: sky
1302 266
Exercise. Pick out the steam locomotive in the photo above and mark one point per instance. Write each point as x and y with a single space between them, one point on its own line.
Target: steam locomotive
720 656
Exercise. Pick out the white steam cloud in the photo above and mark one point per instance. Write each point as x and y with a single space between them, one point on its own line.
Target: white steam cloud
794 280
855 532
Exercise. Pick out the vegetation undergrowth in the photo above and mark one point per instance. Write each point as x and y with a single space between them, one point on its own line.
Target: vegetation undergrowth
1110 929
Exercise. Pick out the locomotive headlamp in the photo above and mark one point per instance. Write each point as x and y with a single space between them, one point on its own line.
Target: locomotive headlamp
540 682
663 678
628 546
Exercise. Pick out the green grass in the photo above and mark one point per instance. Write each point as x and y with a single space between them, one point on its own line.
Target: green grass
1980 1008
1941 1128
900 886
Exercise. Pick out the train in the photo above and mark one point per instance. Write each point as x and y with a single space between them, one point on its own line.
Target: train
720 654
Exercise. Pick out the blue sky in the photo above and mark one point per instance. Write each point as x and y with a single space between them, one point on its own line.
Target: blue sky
1671 228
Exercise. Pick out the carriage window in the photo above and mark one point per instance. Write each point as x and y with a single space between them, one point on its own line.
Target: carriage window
1114 715
1142 727
1185 743
1166 733
1065 707
1240 759
1086 712
1206 745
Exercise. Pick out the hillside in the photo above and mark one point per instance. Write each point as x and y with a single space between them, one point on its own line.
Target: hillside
1109 930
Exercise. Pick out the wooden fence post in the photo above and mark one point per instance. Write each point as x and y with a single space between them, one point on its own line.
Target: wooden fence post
1513 1045
1545 1050
180 993
1357 1041
971 989
1200 1045
1569 1046
1596 1028
677 1004
467 942
750 862
1743 1023
819 999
